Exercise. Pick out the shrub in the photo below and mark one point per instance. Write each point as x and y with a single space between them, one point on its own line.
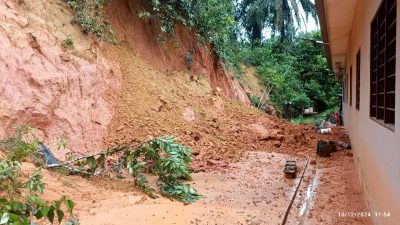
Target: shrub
68 42
90 15
19 200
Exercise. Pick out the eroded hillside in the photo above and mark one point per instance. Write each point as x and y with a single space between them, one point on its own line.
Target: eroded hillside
59 91
97 94
73 89
63 82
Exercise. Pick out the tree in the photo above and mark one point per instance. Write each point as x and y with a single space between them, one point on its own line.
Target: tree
294 72
279 15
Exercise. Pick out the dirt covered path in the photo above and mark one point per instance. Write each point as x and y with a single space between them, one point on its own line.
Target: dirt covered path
250 191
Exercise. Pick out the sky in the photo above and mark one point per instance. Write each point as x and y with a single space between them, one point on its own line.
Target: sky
310 25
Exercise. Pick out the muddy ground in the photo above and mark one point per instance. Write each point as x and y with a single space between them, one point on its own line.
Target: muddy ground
124 98
251 191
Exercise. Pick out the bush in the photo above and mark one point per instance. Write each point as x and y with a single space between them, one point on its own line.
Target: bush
68 42
213 21
90 15
22 144
19 200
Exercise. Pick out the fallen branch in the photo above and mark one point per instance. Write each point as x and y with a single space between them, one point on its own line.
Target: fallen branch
161 156
107 152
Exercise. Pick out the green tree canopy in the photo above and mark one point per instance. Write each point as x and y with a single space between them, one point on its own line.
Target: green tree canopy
295 72
281 16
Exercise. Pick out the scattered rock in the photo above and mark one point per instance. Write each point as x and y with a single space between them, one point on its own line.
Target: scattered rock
120 128
189 114
210 163
65 57
277 144
313 162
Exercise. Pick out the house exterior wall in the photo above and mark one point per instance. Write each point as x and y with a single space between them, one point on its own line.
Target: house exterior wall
376 148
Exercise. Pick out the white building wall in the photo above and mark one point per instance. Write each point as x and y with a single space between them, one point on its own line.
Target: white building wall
376 148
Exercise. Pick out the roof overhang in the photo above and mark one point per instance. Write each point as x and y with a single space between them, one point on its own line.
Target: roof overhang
336 19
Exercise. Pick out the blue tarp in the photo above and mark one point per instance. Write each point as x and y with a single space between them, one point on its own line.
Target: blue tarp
48 155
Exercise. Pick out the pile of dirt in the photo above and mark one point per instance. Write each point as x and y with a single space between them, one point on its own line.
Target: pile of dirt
141 34
153 103
72 90
238 192
100 95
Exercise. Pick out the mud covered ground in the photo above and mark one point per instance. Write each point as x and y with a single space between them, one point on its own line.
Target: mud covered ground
252 190
239 150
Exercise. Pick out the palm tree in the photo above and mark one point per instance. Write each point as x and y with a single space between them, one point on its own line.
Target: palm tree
279 15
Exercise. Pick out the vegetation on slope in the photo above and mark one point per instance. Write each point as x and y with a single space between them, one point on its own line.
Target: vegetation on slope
295 71
20 201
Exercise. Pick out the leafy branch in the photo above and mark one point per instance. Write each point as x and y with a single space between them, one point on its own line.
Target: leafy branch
19 200
162 156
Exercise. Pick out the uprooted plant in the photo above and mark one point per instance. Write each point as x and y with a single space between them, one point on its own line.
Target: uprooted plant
19 197
167 159
163 157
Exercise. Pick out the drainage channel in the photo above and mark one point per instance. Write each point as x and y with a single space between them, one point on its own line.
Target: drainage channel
308 201
294 194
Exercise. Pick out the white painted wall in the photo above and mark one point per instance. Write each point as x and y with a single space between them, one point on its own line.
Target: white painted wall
376 148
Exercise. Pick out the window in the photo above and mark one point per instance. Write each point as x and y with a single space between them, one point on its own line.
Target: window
358 80
351 85
383 62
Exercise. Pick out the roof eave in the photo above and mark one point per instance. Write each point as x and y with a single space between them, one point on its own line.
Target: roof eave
320 6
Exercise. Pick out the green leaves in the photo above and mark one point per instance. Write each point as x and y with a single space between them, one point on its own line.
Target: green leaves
181 192
167 159
281 16
214 22
90 15
50 214
4 218
294 72
35 184
22 144
19 207
21 211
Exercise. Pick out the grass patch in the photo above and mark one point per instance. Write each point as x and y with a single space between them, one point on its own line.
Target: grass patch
315 119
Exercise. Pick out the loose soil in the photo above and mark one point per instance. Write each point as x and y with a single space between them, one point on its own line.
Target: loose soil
239 150
252 190
152 103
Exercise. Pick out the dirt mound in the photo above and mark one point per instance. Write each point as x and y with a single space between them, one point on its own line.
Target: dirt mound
239 192
141 35
153 103
72 90
102 95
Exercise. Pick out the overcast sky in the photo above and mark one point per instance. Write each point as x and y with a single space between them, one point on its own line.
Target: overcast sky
310 25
